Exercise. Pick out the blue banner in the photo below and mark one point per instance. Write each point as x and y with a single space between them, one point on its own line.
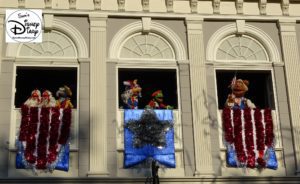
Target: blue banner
270 158
135 155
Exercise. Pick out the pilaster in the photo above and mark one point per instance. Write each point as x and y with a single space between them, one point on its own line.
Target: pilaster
98 119
1 38
292 67
202 140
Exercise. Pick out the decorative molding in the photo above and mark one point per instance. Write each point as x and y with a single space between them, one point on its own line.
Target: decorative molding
145 4
75 36
170 179
216 6
48 3
262 7
194 6
287 26
97 4
169 5
21 3
252 31
157 28
72 4
239 6
194 25
146 21
240 27
121 5
285 4
48 21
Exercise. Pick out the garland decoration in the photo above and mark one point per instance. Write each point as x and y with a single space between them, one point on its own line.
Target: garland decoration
253 139
31 136
54 127
249 138
44 133
238 139
227 126
260 139
24 123
65 128
42 139
269 128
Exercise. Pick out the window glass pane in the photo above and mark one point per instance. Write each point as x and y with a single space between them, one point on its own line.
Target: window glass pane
29 78
150 80
260 87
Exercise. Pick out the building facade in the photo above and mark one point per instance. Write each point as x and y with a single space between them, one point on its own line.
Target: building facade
192 48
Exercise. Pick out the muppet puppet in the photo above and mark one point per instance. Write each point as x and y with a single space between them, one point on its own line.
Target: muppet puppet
157 101
47 99
63 94
131 94
236 99
35 99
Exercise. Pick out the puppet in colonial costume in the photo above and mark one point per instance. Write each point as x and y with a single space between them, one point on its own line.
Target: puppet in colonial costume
63 94
132 93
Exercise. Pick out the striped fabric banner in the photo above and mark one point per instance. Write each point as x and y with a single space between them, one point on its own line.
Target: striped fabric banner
249 138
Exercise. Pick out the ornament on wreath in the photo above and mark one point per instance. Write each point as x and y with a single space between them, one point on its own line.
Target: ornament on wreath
236 99
157 101
132 93
63 94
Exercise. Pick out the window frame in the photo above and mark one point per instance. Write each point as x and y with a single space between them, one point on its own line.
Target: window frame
149 68
13 122
143 64
278 142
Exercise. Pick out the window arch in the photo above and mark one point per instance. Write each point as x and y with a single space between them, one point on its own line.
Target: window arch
256 35
241 47
150 46
162 33
55 45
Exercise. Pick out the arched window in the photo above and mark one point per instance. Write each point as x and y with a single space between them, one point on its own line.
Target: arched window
151 57
48 65
249 55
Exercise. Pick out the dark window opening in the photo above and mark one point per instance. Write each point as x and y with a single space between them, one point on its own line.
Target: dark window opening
29 78
150 80
260 89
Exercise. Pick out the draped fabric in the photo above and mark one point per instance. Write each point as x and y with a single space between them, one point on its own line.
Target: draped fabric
43 141
249 137
133 155
62 162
